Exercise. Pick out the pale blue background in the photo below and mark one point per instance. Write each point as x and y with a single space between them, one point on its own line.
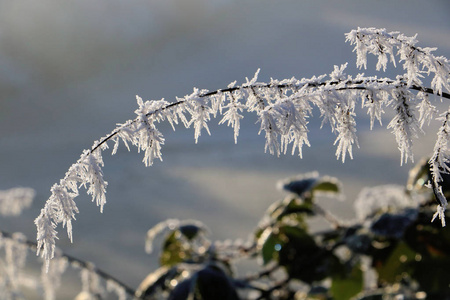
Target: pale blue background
70 71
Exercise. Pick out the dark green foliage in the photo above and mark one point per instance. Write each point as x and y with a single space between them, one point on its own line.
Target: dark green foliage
347 283
392 225
208 283
409 255
173 251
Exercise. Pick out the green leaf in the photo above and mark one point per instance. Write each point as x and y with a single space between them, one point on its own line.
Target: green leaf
296 209
302 257
329 186
297 234
346 286
173 251
392 268
270 246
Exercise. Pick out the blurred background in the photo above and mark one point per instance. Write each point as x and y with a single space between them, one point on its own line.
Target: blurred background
70 71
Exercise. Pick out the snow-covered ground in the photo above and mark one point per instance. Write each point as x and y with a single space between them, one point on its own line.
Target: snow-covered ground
70 72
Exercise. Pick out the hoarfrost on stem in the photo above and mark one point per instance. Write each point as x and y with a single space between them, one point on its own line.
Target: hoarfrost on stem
283 108
46 235
404 125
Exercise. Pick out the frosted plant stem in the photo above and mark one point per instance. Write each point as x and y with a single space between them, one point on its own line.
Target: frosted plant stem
283 109
32 246
280 86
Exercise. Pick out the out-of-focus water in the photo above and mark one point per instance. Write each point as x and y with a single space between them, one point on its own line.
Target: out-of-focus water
70 72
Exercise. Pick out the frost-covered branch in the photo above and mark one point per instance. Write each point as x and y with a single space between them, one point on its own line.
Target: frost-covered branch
417 61
16 247
283 108
439 163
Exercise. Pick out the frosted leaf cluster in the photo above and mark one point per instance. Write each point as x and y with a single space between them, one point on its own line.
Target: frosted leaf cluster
416 61
283 109
385 197
404 125
439 163
175 224
13 201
